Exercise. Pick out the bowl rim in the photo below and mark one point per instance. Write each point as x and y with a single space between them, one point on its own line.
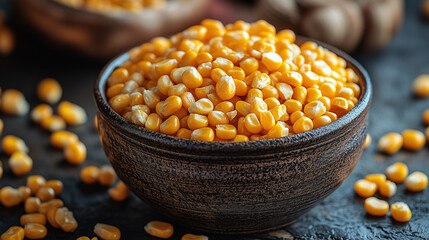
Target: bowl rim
300 140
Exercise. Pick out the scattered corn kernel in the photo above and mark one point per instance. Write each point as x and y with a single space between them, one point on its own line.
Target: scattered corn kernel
413 140
35 231
45 194
159 229
35 182
13 233
90 174
50 215
60 139
10 197
31 205
365 188
376 207
44 207
387 188
13 102
49 90
53 123
191 236
75 152
65 219
368 141
40 112
72 113
397 172
11 144
400 212
33 218
107 232
416 182
377 178
56 185
25 192
120 192
20 163
107 175
390 143
421 86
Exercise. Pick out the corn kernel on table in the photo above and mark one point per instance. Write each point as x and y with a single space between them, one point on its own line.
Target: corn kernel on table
340 216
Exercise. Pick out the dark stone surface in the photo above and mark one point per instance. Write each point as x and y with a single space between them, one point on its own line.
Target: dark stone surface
340 216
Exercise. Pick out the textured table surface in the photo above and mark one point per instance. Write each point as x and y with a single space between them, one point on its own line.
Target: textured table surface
340 216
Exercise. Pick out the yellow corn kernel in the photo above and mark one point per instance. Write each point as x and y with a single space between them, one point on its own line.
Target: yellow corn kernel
413 140
53 123
56 185
60 139
164 83
272 103
20 163
271 60
120 192
203 106
72 113
295 116
203 92
136 98
164 67
151 98
31 205
119 75
226 131
249 65
416 182
321 121
196 121
328 89
400 212
90 174
153 122
223 63
421 86
224 107
346 93
390 143
309 79
130 86
65 219
35 182
75 152
376 207
40 112
397 172
171 105
159 229
225 88
240 138
11 144
314 109
189 59
368 141
10 197
237 73
365 188
303 124
252 123
45 194
253 93
190 236
107 232
278 112
139 117
33 218
292 78
107 175
237 39
170 126
120 102
267 120
44 207
115 90
339 106
184 133
331 115
278 131
387 188
177 73
192 78
257 106
377 178
292 106
313 94
285 90
216 117
204 57
13 233
203 134
13 102
25 192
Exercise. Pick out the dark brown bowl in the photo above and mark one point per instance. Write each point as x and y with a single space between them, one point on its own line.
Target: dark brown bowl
234 187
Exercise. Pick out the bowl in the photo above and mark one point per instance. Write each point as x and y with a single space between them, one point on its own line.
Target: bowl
101 35
234 187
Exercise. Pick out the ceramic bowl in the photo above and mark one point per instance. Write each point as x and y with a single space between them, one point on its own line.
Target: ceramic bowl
234 187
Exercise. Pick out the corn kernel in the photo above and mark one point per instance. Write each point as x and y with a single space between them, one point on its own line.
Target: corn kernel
50 216
226 131
53 123
203 106
203 134
314 109
49 90
365 188
107 176
40 112
60 139
303 124
225 88
45 194
421 86
159 229
13 102
400 212
12 144
75 152
35 182
107 232
32 205
120 192
416 182
376 207
170 126
387 188
90 174
33 218
44 207
190 236
72 113
413 140
13 233
377 178
20 163
10 197
397 172
368 141
66 220
390 143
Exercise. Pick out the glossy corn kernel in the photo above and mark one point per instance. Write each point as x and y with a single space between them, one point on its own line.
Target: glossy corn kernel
62 138
416 182
90 174
10 197
75 152
240 138
20 163
49 90
190 236
314 109
53 123
45 194
203 106
170 126
390 143
33 218
226 131
66 220
35 182
11 144
413 140
56 185
397 172
153 122
13 233
72 113
25 193
387 188
252 123
203 134
368 141
278 131
40 112
225 88
54 203
400 212
13 102
159 229
421 86
321 121
377 178
107 232
365 188
50 216
303 124
292 106
107 175
376 207
31 205
119 193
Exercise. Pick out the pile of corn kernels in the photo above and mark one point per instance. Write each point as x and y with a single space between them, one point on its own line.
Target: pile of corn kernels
239 82
107 6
